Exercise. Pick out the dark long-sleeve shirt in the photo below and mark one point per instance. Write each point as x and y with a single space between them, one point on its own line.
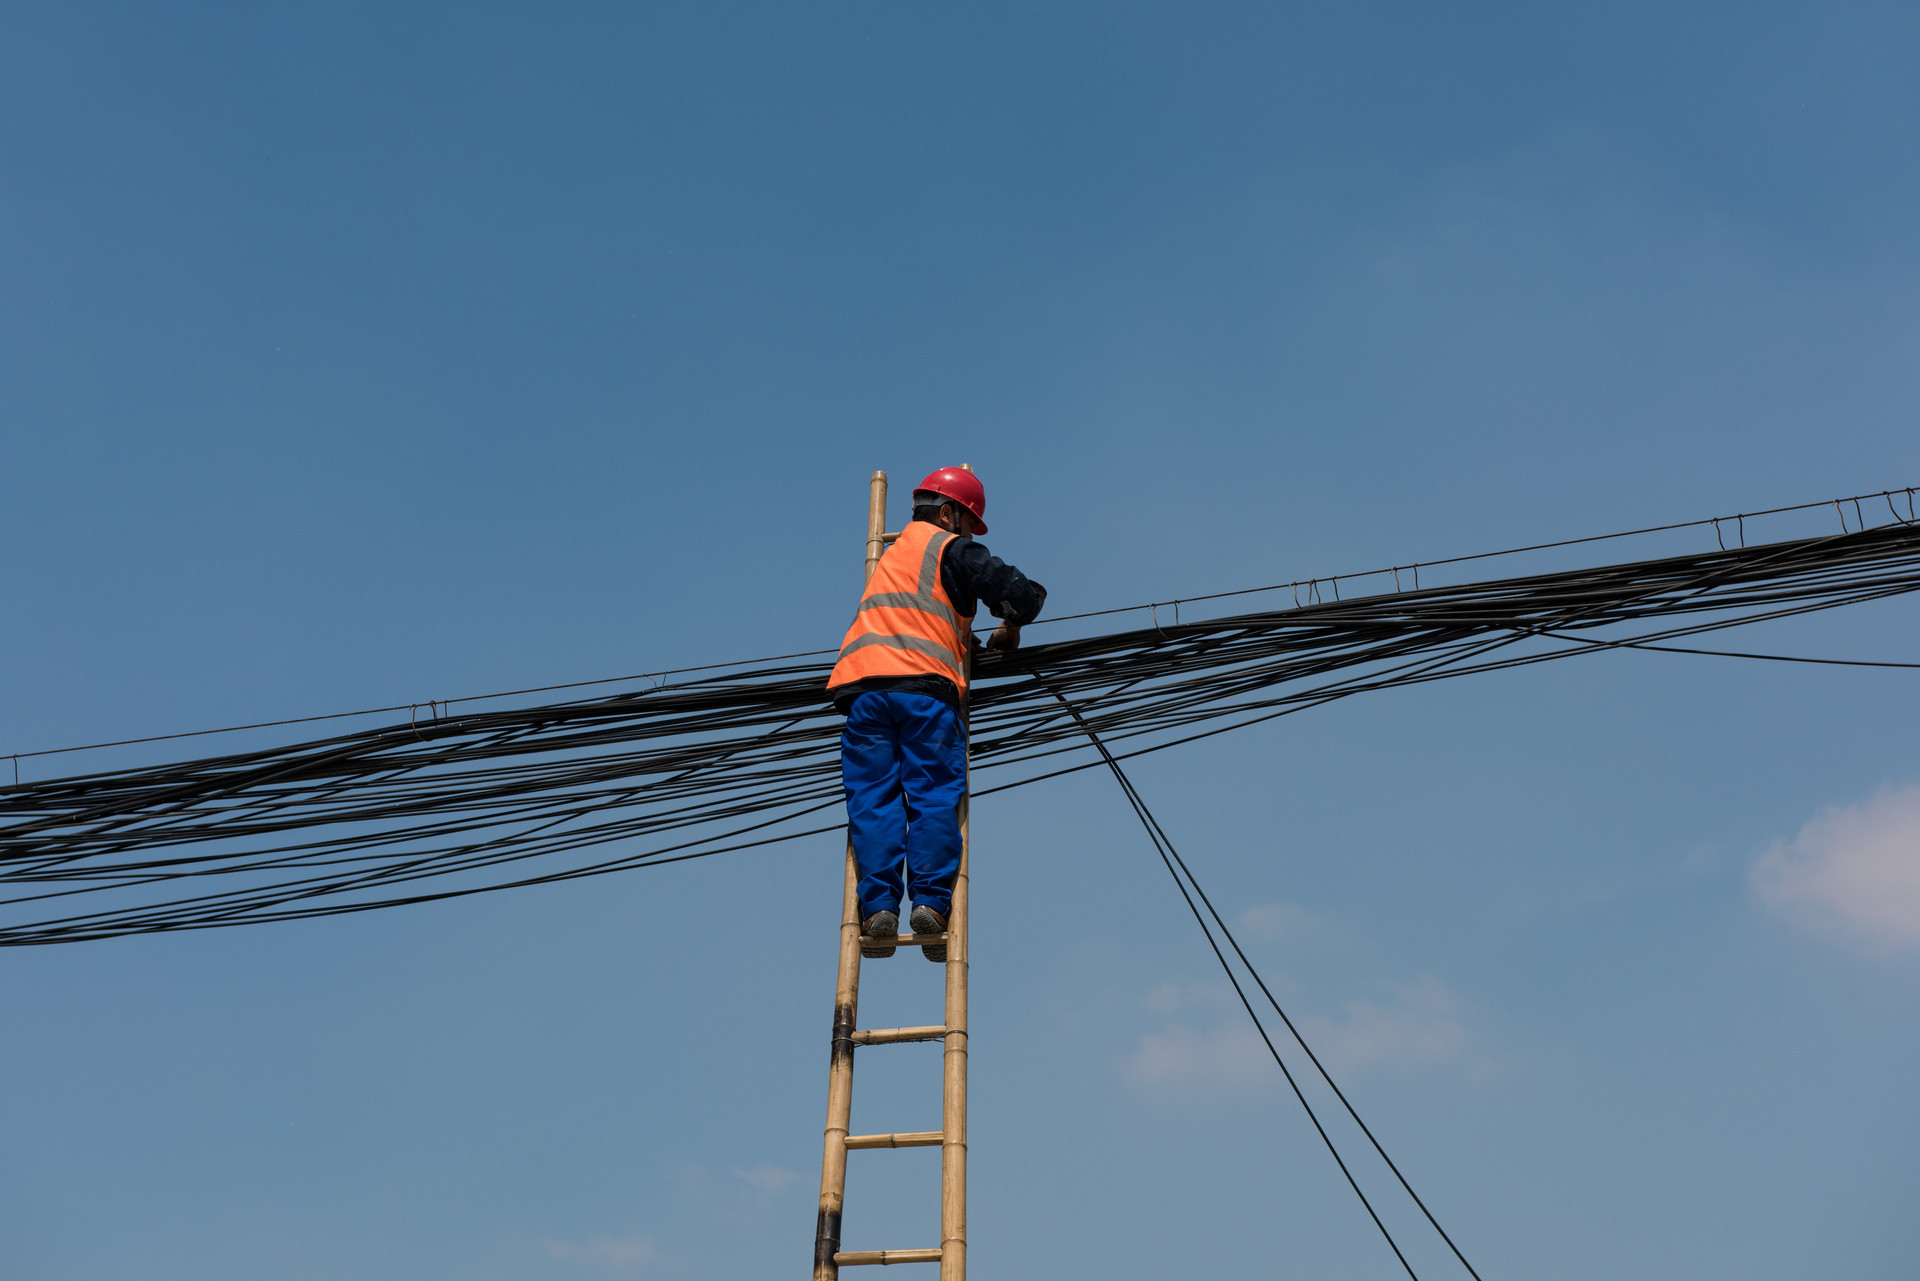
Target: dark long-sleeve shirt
973 577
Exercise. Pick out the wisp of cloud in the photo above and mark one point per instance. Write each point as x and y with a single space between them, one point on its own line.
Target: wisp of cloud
1852 871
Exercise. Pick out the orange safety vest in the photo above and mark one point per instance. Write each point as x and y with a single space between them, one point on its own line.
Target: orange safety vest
907 625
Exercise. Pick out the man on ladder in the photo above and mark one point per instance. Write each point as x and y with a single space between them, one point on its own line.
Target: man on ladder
899 681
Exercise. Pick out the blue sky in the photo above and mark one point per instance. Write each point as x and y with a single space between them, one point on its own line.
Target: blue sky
363 355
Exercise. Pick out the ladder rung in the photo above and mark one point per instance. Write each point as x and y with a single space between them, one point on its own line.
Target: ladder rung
903 940
896 1035
848 1258
923 1139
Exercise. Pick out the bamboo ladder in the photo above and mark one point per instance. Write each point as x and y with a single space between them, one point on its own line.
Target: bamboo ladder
951 1138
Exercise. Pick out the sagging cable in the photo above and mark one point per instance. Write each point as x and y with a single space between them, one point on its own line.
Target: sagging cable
1183 877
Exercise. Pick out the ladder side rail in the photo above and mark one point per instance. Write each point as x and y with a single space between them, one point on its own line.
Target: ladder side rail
953 1120
846 993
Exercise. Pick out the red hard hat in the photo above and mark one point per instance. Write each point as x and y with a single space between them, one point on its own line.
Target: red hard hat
962 487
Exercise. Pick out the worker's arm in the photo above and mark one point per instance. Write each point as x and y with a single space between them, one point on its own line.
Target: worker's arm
973 576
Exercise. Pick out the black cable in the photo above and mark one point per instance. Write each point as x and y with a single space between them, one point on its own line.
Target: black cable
1728 653
414 707
1414 567
471 797
1170 855
1156 836
1335 579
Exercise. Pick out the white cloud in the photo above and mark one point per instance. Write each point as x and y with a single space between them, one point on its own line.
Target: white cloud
617 1254
1230 1056
1227 1056
1271 921
1168 999
1852 870
1420 1025
768 1178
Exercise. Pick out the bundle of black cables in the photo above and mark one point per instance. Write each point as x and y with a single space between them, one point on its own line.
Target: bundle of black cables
462 804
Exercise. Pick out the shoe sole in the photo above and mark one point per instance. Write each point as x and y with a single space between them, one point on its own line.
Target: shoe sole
935 952
878 953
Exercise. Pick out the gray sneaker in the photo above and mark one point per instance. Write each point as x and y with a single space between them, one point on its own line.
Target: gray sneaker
884 925
927 921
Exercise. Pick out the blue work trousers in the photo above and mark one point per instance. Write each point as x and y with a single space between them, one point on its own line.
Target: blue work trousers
903 760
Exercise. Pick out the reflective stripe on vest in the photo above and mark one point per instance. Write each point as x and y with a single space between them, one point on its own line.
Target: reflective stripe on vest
933 649
906 624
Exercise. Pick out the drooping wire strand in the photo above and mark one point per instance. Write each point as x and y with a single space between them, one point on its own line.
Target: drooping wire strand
1170 856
